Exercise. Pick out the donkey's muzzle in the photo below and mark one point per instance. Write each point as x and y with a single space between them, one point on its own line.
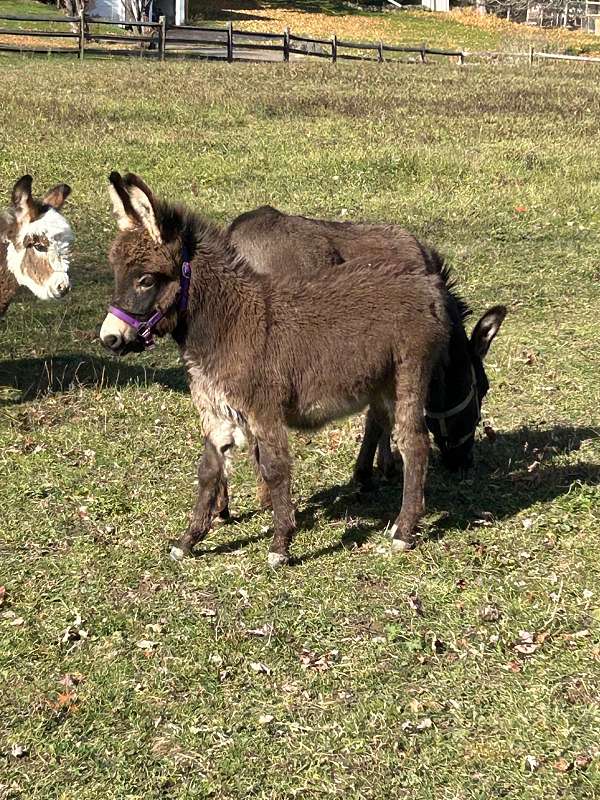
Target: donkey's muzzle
118 347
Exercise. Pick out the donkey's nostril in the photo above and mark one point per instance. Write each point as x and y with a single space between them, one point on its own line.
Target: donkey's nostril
63 289
112 342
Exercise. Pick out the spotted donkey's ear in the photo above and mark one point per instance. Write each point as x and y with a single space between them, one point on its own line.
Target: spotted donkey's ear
57 196
21 199
144 204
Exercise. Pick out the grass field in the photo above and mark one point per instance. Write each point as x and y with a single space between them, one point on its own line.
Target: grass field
462 29
469 668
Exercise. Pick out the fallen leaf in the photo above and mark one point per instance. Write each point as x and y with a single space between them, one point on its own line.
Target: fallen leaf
526 644
266 630
66 699
259 667
74 632
208 612
520 209
154 627
490 613
531 763
414 602
17 621
583 760
562 765
2 595
514 666
265 719
146 644
311 660
69 681
18 751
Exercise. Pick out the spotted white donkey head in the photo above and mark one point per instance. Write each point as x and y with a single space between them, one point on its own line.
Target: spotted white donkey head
37 239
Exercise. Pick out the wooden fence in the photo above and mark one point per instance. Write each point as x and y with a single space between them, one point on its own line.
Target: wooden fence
90 36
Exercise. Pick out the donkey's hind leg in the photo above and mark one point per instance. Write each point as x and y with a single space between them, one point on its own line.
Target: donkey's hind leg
377 433
212 488
386 462
413 442
275 468
263 495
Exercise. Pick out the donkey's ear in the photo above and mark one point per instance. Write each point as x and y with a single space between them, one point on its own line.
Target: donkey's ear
21 199
486 329
144 204
122 208
57 196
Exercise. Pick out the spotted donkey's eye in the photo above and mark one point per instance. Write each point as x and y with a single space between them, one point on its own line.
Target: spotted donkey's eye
146 281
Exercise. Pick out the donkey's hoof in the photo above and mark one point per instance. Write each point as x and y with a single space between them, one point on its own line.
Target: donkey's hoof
178 553
277 560
400 546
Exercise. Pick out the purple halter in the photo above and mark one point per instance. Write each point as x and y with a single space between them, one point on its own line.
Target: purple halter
145 328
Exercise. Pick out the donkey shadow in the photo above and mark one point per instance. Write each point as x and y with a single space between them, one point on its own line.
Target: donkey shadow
510 475
25 379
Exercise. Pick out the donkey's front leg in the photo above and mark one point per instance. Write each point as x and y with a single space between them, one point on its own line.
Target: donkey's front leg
413 442
275 468
212 492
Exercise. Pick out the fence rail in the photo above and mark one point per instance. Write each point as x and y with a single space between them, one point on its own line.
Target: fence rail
157 40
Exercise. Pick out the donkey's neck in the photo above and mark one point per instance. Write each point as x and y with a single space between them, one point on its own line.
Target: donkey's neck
452 378
227 308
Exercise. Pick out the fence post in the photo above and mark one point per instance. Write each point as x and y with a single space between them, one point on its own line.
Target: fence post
422 52
461 58
531 55
334 48
81 34
230 41
162 37
380 52
286 44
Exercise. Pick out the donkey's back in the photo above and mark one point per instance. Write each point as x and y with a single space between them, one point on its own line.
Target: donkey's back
273 242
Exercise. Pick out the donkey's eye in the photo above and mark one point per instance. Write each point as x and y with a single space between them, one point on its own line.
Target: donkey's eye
40 248
146 281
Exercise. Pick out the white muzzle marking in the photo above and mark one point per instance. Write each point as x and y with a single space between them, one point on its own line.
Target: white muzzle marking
115 327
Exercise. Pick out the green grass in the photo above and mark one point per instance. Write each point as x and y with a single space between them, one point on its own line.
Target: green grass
30 8
462 29
97 459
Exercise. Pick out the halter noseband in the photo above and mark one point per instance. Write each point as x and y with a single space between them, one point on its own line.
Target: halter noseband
145 328
442 416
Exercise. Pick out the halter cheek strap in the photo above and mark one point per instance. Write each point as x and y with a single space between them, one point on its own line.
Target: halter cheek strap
442 416
145 328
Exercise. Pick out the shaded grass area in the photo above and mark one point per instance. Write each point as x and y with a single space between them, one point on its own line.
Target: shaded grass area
127 675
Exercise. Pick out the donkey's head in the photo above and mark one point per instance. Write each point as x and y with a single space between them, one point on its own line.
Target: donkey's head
455 400
146 258
38 239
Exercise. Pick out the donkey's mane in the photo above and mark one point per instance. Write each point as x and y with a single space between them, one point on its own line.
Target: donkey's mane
197 234
455 302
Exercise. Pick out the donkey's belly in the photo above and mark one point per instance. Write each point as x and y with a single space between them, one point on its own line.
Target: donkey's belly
315 415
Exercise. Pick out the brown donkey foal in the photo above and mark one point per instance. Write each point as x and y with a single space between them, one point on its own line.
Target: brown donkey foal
264 352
